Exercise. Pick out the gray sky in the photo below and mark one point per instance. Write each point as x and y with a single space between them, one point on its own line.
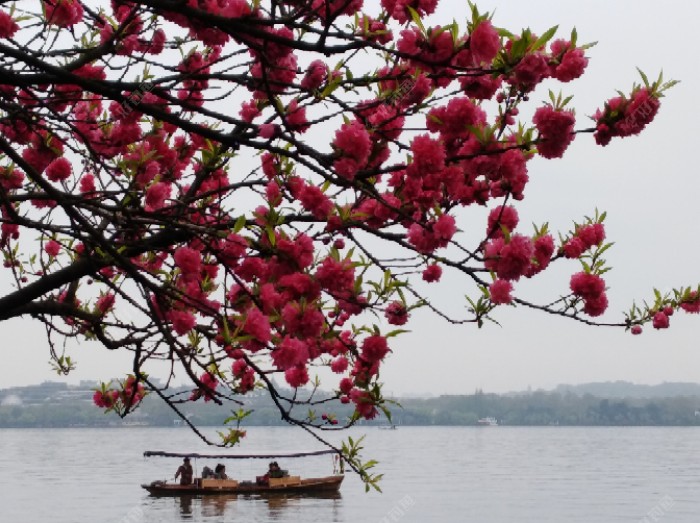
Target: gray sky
647 184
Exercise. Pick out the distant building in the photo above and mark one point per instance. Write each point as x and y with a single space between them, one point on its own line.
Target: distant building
11 400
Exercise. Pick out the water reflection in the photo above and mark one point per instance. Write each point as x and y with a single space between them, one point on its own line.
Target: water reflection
274 506
215 505
186 507
280 505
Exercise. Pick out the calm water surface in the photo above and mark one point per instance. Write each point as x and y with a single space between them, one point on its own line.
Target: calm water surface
441 474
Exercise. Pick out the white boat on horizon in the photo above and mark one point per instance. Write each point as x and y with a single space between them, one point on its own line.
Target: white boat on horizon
489 421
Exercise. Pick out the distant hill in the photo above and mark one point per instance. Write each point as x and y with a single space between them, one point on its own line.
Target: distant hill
625 389
610 404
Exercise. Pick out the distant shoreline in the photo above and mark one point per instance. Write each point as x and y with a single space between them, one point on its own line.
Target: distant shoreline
58 405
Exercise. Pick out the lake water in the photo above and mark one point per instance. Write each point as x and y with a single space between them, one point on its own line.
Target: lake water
435 474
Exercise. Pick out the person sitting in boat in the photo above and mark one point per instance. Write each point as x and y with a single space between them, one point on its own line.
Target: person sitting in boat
184 472
207 473
220 472
275 471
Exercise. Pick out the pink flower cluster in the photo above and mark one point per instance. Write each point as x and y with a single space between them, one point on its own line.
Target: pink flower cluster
625 117
8 27
207 389
63 13
398 9
353 146
568 62
584 238
556 128
591 288
131 393
500 291
518 255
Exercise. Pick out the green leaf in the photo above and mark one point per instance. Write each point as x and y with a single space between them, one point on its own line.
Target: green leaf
644 77
240 223
416 19
546 37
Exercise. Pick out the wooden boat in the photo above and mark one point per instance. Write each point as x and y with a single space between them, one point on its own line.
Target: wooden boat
229 486
208 486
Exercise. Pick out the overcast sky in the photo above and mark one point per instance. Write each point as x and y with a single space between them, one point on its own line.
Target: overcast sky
647 184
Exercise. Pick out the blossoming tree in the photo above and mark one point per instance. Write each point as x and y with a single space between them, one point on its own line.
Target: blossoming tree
244 189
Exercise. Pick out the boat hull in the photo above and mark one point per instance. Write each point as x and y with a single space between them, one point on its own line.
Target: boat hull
306 486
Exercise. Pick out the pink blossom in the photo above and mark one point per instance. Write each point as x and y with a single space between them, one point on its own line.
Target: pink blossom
345 385
574 247
8 27
353 144
660 321
339 364
592 234
622 117
484 43
336 275
87 183
105 302
277 76
455 118
374 30
297 376
587 285
509 260
374 348
444 228
432 273
289 353
63 13
188 260
267 130
572 65
481 87
530 71
233 8
692 303
182 321
313 199
556 128
500 292
428 155
596 305
315 75
398 9
52 248
544 248
363 403
296 117
505 217
239 368
156 196
11 178
105 399
209 384
636 329
58 170
257 325
249 111
303 321
396 313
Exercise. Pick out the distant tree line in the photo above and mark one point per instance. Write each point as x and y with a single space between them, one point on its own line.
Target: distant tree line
57 405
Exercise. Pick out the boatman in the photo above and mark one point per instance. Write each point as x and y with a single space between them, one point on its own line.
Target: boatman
185 472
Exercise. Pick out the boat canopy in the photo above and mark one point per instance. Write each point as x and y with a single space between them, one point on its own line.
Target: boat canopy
196 455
